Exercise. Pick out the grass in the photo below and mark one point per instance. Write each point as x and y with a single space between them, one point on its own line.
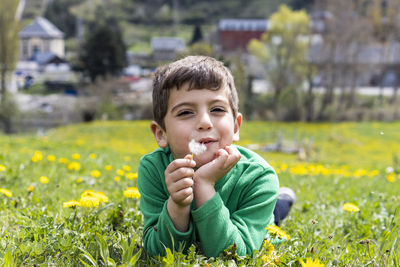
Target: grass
345 163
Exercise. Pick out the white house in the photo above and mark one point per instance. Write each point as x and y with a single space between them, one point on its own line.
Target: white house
165 48
41 36
42 54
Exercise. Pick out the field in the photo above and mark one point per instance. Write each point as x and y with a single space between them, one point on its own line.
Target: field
40 176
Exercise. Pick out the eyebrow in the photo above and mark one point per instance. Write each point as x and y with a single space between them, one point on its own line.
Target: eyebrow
222 100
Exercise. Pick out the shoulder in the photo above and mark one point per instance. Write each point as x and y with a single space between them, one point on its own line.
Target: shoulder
156 157
151 169
252 167
154 163
252 159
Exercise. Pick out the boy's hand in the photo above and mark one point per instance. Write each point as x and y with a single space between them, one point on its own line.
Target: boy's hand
225 160
179 180
207 175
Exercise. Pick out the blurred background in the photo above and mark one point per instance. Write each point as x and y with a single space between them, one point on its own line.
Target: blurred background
72 61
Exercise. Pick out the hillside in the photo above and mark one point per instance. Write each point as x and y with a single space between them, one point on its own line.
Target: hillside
141 19
158 11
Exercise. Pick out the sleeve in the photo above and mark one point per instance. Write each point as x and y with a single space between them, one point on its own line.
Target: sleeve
218 228
159 231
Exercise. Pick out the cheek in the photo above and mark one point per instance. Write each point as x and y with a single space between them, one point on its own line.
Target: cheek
226 131
178 141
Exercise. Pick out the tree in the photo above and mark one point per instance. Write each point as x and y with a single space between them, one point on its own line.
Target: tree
9 28
103 52
59 13
283 49
199 48
301 4
346 32
386 22
197 35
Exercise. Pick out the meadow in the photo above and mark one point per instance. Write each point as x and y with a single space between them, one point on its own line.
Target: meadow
69 197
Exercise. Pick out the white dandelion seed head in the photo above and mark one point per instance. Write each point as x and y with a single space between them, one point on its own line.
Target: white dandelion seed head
389 169
196 148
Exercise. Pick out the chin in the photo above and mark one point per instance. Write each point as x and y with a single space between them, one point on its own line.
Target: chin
203 159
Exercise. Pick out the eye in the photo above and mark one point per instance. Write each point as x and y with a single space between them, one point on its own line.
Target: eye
184 113
218 109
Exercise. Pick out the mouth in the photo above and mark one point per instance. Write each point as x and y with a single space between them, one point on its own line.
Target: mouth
207 141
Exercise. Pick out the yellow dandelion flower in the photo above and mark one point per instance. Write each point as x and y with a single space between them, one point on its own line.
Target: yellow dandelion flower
359 172
31 188
74 166
79 180
373 173
131 175
126 168
51 158
310 263
270 260
6 192
391 177
89 202
44 179
37 156
88 193
120 172
132 192
92 156
63 160
76 156
350 207
276 231
283 166
108 167
2 168
71 204
268 246
117 178
102 197
99 195
95 173
299 170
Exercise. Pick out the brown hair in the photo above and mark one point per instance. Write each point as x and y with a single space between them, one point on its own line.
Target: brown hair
200 72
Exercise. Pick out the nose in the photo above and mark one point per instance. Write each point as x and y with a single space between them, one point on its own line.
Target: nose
204 122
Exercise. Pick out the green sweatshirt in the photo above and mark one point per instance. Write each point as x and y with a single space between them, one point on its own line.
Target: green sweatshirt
239 212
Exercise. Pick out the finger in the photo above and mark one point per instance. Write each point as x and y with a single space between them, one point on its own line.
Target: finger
179 174
183 195
190 157
179 163
222 156
182 184
234 155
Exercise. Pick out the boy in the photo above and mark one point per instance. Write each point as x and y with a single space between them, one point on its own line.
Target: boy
223 196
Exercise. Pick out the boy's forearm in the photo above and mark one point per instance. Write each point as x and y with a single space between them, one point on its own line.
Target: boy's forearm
179 215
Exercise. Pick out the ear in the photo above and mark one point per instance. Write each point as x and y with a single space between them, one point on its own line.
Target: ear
159 134
238 123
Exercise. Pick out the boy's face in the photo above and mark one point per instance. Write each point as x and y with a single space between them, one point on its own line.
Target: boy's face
203 115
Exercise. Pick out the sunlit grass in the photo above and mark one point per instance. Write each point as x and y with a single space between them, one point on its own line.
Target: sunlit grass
70 196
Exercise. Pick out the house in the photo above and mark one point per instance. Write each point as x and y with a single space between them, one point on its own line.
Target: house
42 55
235 34
41 36
166 48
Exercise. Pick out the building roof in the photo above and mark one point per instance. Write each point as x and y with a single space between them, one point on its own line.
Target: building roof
167 43
41 27
243 24
43 58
